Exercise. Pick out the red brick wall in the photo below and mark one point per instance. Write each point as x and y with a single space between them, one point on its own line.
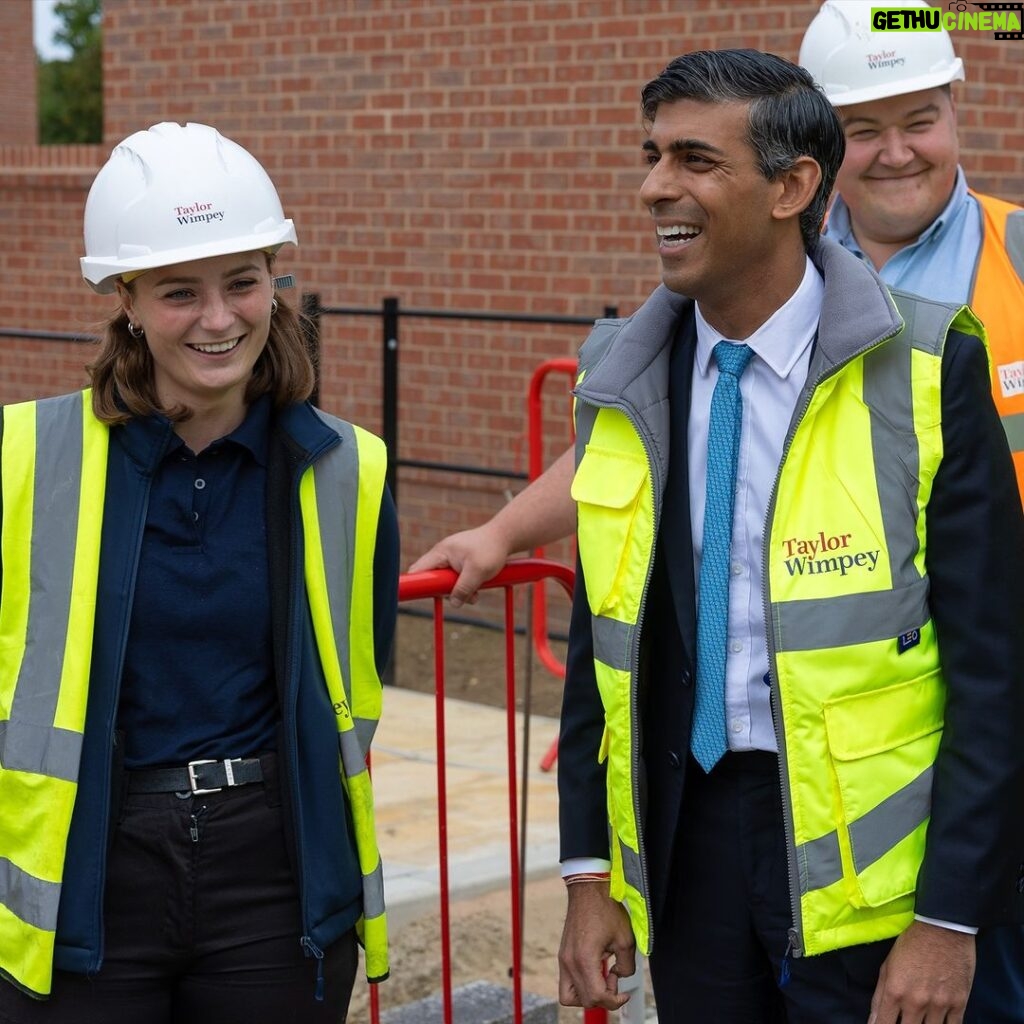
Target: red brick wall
469 154
18 117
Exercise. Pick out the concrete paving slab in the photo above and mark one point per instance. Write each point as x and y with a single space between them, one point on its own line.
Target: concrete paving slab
405 785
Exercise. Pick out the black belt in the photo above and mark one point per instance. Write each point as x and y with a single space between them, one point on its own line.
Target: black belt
197 776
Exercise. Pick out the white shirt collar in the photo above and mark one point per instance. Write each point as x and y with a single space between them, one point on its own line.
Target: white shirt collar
783 338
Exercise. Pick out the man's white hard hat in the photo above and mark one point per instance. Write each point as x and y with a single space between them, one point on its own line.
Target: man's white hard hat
175 193
854 64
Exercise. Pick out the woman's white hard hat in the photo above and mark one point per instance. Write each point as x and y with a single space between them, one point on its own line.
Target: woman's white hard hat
175 193
854 64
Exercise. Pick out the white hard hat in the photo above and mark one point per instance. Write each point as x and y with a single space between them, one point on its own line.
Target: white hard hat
175 193
855 65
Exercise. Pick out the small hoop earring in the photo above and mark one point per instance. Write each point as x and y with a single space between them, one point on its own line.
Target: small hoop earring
273 306
135 331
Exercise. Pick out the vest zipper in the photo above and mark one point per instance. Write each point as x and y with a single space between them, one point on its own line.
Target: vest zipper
289 711
794 947
312 949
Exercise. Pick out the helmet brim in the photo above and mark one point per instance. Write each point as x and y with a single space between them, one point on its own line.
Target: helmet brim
102 272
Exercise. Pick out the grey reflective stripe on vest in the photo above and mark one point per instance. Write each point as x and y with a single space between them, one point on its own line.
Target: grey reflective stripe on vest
353 756
373 892
927 322
30 742
889 396
631 869
872 836
613 642
849 619
337 498
1015 241
877 832
32 899
1014 427
820 863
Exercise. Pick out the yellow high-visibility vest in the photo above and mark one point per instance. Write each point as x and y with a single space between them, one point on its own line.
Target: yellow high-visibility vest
859 694
52 481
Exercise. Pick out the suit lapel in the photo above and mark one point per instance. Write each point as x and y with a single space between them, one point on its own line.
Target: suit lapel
674 535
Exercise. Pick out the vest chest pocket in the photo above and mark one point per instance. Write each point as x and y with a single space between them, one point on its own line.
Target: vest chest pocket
615 528
882 746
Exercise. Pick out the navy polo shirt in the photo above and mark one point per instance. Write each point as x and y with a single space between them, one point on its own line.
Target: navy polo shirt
198 677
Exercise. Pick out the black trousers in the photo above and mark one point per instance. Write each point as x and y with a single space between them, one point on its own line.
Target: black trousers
720 942
202 924
997 996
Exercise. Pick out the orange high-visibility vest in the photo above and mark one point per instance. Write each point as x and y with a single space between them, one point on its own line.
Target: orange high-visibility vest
998 300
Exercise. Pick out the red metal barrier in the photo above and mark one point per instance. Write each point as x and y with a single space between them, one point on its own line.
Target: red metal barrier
436 585
535 428
539 615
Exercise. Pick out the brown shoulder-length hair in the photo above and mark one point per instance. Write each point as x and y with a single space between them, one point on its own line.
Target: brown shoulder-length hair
122 372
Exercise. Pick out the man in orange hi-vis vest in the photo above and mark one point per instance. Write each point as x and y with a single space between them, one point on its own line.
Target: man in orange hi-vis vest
904 205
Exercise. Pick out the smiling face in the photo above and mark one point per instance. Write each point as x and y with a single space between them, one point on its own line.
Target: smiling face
900 167
206 323
727 237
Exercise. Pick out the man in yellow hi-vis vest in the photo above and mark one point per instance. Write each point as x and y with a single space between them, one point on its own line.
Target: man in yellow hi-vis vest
789 764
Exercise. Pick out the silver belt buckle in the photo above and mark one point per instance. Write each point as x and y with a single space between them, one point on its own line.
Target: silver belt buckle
196 791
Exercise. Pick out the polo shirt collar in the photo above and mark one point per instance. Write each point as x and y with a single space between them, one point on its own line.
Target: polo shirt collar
149 439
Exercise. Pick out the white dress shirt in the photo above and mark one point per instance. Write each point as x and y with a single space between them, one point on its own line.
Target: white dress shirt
770 387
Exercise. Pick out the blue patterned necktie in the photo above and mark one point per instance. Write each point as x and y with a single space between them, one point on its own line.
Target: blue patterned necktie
707 737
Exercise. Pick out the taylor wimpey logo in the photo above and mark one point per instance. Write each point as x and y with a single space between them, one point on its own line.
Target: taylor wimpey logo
1011 379
885 59
826 553
197 213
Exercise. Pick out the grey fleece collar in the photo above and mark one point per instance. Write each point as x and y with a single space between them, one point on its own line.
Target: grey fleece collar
856 313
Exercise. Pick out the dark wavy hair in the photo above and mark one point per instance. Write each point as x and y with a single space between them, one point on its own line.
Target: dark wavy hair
788 116
122 372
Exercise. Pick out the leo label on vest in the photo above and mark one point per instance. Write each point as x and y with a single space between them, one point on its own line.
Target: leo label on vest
813 556
907 640
1011 378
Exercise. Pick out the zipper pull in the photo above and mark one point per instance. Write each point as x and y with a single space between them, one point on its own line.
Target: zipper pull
312 949
193 829
784 969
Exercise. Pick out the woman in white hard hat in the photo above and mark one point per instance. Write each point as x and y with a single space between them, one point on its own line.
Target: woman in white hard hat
199 592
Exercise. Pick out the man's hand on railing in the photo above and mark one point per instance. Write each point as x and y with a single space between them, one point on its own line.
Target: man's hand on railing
542 513
476 555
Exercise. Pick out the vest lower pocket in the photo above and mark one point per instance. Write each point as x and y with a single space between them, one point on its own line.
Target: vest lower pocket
882 746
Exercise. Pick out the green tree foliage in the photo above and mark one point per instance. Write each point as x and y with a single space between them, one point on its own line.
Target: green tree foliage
71 91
